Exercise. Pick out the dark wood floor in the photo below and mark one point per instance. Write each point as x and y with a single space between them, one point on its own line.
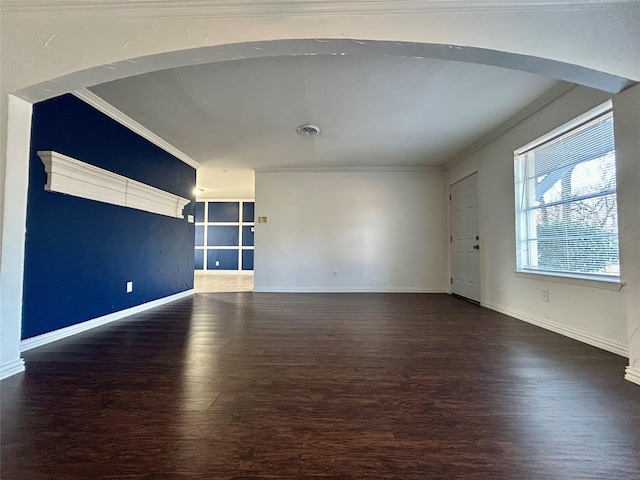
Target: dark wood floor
242 385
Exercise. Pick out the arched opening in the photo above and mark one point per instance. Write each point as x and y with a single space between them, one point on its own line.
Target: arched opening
281 48
547 67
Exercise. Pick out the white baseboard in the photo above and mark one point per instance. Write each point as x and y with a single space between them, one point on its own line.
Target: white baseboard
345 290
609 345
11 368
61 333
633 375
223 272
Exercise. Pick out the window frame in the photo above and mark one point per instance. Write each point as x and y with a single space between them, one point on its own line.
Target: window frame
519 185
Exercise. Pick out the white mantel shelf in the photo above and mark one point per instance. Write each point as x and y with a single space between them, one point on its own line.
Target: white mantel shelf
79 179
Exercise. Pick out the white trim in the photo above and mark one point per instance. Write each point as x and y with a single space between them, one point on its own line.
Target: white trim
218 224
567 127
150 199
251 8
11 368
201 199
61 333
615 285
347 290
632 374
546 99
373 168
73 177
13 219
609 345
112 112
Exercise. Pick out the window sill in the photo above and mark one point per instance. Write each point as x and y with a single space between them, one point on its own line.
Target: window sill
615 285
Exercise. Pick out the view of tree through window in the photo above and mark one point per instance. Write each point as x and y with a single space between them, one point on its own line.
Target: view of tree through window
566 210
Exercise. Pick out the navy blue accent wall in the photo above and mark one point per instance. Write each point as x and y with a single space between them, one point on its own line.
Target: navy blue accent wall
227 259
199 216
224 212
223 235
199 240
198 260
247 259
248 209
247 236
80 253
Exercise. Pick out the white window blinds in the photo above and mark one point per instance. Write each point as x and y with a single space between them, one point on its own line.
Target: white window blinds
566 209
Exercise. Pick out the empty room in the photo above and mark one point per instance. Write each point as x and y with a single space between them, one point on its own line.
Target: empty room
320 239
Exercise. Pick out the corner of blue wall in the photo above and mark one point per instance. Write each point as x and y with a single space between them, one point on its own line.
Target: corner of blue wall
80 253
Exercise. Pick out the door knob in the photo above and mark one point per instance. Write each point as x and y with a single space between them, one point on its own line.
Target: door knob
477 247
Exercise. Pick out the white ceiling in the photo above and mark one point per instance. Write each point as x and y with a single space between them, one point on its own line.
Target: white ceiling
372 111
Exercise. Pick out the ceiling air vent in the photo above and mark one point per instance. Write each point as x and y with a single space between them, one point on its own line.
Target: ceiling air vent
308 130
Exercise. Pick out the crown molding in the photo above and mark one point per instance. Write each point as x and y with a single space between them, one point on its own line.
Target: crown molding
112 112
251 8
341 169
549 97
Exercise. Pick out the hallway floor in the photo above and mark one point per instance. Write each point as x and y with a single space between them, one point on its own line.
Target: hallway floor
222 282
340 386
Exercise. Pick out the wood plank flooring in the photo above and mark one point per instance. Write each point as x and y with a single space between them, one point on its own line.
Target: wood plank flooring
339 386
207 282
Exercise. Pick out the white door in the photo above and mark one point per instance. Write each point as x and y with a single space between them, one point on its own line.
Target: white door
465 239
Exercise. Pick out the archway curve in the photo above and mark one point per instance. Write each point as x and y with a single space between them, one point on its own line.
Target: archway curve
307 47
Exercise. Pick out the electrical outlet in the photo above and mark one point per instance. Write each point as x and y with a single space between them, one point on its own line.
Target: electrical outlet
217 263
129 287
544 295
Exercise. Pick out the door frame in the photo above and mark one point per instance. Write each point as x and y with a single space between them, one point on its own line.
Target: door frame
452 180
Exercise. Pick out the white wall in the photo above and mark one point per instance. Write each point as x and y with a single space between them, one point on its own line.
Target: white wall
14 193
379 230
64 39
581 309
224 184
626 111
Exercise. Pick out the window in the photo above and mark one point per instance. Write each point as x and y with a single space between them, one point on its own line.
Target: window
566 208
